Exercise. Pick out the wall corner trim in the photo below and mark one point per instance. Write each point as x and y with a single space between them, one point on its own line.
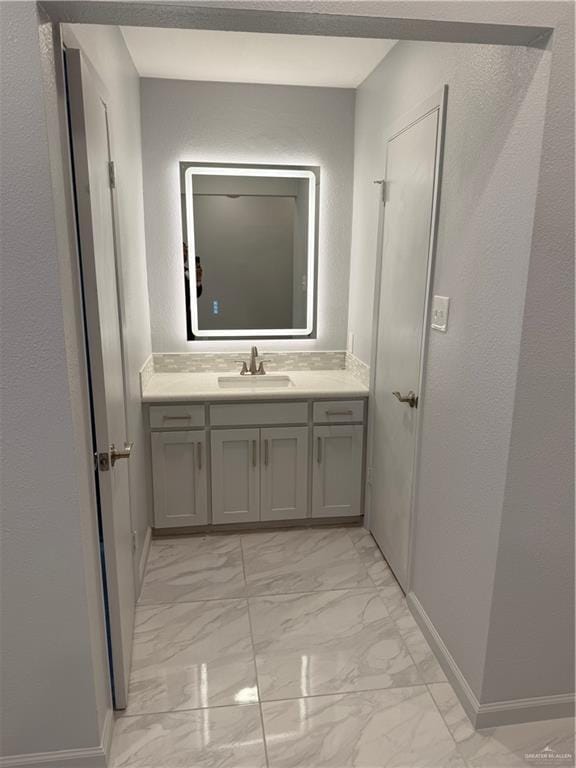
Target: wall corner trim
492 714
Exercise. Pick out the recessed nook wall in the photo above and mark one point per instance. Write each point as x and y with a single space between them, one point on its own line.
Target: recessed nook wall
238 123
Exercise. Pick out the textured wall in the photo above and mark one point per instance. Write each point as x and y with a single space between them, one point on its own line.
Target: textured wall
52 670
220 122
495 114
532 616
105 48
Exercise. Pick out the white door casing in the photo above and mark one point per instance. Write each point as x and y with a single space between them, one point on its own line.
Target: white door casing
95 220
284 473
412 178
235 475
337 471
179 478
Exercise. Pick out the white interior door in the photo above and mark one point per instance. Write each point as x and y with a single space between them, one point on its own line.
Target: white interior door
95 217
411 186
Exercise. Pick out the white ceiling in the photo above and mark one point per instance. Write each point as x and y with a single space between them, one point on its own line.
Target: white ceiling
250 57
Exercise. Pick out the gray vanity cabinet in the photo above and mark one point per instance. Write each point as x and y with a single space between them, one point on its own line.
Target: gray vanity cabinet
284 473
259 474
235 475
179 472
256 462
337 471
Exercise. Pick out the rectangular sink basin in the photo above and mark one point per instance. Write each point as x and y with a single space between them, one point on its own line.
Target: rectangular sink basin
267 381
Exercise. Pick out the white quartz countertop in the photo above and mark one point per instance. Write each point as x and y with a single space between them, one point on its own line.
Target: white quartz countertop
187 387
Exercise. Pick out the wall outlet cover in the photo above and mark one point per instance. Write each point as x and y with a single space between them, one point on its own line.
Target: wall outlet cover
440 309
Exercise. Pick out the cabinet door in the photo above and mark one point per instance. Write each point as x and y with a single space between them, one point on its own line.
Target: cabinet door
235 475
284 473
179 477
337 471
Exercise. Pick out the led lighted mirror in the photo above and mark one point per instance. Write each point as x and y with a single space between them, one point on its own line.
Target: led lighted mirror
249 249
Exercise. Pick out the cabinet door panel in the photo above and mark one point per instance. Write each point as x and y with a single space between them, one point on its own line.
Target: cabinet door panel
179 478
235 475
284 473
337 471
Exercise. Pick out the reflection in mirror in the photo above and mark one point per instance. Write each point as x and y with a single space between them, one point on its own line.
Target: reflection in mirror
249 247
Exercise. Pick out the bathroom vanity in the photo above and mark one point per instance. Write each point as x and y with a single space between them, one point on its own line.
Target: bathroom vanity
253 451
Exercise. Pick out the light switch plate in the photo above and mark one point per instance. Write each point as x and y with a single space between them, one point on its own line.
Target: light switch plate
440 309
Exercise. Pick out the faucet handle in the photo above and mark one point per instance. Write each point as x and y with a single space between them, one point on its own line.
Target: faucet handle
261 371
244 369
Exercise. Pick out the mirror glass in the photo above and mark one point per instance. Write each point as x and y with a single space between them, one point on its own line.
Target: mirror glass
249 248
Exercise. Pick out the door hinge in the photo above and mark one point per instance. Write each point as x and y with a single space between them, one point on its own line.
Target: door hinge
102 461
382 183
112 174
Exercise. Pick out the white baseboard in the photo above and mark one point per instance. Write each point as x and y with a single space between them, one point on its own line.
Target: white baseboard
144 558
92 757
496 713
66 758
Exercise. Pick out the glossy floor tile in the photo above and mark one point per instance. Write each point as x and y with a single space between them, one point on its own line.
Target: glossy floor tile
193 568
302 561
374 562
398 728
327 642
308 632
549 742
191 655
224 737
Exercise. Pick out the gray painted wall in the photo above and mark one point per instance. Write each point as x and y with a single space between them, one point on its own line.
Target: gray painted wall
54 685
106 50
220 122
462 566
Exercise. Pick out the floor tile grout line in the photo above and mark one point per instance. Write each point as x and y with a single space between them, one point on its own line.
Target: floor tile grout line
444 719
279 701
253 643
369 587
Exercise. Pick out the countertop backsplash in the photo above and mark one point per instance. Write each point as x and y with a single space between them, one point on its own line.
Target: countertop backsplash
225 362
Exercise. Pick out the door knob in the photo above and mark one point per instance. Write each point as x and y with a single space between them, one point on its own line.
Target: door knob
120 453
410 398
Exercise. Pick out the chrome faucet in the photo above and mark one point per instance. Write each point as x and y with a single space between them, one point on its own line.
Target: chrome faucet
253 356
252 369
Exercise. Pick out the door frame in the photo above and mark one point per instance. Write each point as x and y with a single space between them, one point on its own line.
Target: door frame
71 50
436 102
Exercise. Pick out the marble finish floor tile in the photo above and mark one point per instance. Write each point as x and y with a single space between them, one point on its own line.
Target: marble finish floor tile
370 554
302 561
398 728
195 568
327 642
418 648
506 746
191 655
224 737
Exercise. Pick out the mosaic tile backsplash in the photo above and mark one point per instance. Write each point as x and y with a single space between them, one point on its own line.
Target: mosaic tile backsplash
198 362
220 362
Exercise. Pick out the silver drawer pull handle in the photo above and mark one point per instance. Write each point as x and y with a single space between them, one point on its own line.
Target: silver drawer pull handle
266 452
175 418
199 445
253 453
319 454
340 413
